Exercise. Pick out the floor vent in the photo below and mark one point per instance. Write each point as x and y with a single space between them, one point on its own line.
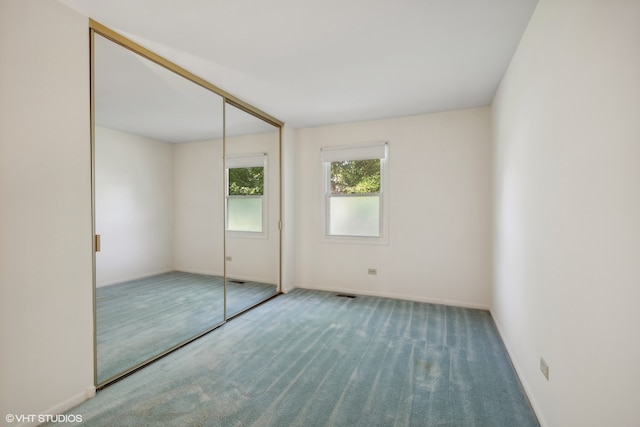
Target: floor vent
240 282
345 296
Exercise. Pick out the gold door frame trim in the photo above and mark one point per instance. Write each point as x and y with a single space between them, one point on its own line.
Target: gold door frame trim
92 112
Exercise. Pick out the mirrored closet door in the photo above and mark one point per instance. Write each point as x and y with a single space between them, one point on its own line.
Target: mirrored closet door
252 190
163 209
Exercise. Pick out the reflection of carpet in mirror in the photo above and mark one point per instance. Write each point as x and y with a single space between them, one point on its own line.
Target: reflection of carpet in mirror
141 318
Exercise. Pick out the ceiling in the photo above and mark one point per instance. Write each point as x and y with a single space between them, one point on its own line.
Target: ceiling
311 63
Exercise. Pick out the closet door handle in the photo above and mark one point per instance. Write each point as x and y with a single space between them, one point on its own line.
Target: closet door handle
97 243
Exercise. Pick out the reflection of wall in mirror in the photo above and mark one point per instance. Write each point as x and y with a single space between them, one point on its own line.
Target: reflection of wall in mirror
160 207
134 199
255 258
198 210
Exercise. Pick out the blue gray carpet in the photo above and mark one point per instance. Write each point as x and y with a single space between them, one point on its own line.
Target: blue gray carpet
310 358
139 319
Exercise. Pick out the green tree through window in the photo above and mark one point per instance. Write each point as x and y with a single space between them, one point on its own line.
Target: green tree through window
246 181
245 193
354 192
355 176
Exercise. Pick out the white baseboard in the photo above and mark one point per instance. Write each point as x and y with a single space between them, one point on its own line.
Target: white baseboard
454 303
465 304
197 271
523 379
62 407
251 279
189 270
229 276
128 279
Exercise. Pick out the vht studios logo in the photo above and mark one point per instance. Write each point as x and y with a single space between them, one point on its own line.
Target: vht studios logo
43 418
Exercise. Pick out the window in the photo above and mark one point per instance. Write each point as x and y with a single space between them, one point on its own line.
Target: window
245 200
354 181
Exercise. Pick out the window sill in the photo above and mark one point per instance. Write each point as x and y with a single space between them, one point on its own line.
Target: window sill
247 234
355 240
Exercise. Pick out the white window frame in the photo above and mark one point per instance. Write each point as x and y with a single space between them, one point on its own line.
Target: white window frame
247 161
371 150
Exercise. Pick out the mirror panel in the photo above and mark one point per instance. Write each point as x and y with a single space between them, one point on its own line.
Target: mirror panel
252 190
159 209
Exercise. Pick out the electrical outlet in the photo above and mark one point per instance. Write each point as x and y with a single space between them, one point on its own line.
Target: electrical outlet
228 258
544 368
372 271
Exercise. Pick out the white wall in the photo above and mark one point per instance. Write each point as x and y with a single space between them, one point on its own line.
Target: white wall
439 247
199 207
567 211
46 319
134 206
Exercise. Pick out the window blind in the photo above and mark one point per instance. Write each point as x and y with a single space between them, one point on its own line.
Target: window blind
376 150
245 161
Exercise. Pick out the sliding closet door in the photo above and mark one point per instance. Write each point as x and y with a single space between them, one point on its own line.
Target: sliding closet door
159 209
252 189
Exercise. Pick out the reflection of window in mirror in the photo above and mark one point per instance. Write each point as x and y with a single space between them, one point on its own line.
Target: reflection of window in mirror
246 193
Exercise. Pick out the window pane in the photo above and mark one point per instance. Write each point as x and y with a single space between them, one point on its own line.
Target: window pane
355 216
246 181
244 214
355 176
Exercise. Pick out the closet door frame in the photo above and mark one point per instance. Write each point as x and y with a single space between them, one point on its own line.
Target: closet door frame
227 98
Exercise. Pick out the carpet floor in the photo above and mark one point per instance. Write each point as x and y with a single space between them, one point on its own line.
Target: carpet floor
311 358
